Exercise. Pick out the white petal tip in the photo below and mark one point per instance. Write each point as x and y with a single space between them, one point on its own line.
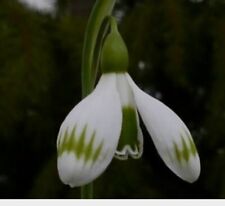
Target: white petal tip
193 171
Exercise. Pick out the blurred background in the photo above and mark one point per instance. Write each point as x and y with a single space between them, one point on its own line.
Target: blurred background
177 54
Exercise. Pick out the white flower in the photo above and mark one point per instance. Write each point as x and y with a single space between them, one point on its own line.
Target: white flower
106 123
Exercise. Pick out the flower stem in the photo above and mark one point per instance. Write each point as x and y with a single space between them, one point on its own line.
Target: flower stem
87 191
100 11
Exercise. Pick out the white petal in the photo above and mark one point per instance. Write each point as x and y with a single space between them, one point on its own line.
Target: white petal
170 135
125 91
131 138
97 120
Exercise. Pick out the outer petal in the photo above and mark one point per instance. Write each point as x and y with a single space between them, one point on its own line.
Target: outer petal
131 138
89 135
170 135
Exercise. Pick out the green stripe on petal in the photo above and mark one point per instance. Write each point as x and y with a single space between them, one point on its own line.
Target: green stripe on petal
77 145
191 143
97 152
63 141
80 146
70 141
188 149
193 148
89 148
177 152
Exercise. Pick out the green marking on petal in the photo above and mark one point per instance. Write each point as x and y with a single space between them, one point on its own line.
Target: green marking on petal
77 145
65 137
62 142
89 148
97 152
177 152
185 152
188 148
80 146
191 143
129 132
70 140
193 148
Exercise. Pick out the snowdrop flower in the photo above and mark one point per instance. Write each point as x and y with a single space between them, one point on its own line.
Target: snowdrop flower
106 124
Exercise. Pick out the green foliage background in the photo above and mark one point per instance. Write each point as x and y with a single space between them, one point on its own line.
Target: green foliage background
177 54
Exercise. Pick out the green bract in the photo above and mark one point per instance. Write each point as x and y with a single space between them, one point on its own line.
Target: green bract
114 56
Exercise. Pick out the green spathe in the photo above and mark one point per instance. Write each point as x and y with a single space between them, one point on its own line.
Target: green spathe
114 57
76 144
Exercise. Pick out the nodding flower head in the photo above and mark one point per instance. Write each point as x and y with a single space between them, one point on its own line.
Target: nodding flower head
106 124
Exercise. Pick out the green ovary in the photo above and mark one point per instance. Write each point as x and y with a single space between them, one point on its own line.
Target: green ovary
114 57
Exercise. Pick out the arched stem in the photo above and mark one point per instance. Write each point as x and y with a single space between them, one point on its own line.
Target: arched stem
101 9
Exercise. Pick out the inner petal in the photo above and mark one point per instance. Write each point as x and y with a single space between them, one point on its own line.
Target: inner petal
131 139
